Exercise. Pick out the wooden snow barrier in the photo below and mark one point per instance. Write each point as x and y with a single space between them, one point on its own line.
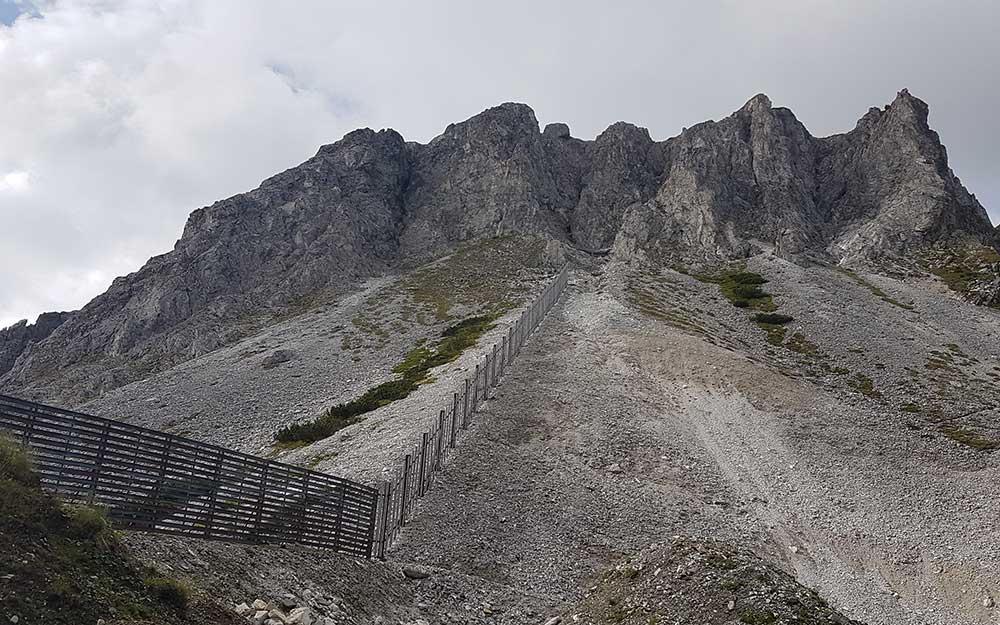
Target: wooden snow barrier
418 468
153 481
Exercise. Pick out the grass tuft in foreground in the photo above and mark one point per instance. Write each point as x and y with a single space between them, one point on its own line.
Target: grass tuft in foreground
64 565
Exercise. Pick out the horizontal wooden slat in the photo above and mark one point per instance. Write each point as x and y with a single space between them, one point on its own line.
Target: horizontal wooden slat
160 482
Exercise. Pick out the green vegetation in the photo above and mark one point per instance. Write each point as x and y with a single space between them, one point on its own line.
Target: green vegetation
15 464
776 319
412 372
775 333
800 344
86 521
864 385
169 591
64 564
961 269
876 291
742 289
970 437
315 461
909 407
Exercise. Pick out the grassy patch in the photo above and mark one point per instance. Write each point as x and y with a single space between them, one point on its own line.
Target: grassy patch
970 437
864 385
64 565
876 291
909 407
775 333
742 289
169 591
412 372
776 319
962 269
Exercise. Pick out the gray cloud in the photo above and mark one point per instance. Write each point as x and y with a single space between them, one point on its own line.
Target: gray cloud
122 117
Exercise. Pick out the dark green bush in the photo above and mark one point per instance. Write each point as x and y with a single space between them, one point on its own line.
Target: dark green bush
747 277
170 592
85 521
748 291
775 319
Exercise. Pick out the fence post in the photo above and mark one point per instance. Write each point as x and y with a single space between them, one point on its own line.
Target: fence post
406 489
454 419
98 462
422 488
493 371
475 390
215 490
260 501
384 534
465 405
503 354
372 521
440 432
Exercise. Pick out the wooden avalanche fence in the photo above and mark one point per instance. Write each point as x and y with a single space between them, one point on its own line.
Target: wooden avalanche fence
416 475
153 481
149 480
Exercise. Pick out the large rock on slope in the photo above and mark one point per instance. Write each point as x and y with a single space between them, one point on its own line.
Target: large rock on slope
371 202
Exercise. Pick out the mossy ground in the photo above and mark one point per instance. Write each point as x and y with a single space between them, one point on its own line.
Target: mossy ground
64 564
484 277
962 269
707 582
876 291
413 371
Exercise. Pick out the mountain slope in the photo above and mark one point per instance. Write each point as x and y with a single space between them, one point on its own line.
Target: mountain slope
372 203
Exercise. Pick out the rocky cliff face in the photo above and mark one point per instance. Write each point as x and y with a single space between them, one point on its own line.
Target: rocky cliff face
758 178
18 337
372 202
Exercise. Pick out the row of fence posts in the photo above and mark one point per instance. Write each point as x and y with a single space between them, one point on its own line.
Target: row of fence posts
416 476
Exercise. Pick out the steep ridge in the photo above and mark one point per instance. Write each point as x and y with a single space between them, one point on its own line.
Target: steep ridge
758 178
372 203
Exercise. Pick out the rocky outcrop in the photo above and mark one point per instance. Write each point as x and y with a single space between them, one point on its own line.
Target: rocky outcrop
16 338
325 223
887 188
372 202
485 176
759 179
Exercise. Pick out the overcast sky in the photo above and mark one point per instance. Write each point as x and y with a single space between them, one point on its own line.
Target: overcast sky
121 117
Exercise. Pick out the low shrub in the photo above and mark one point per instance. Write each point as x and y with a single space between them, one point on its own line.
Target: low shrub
748 291
776 319
15 463
85 521
169 591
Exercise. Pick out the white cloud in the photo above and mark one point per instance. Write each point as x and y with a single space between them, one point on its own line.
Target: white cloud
16 181
129 114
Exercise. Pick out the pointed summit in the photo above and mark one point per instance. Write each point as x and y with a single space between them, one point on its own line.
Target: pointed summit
756 103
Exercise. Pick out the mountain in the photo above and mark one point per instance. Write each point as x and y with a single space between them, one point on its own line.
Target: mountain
371 203
759 178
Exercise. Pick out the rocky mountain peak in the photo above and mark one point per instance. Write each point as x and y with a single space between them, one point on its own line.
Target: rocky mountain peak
757 104
371 203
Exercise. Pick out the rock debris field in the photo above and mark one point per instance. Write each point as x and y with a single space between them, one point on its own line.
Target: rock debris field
663 419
